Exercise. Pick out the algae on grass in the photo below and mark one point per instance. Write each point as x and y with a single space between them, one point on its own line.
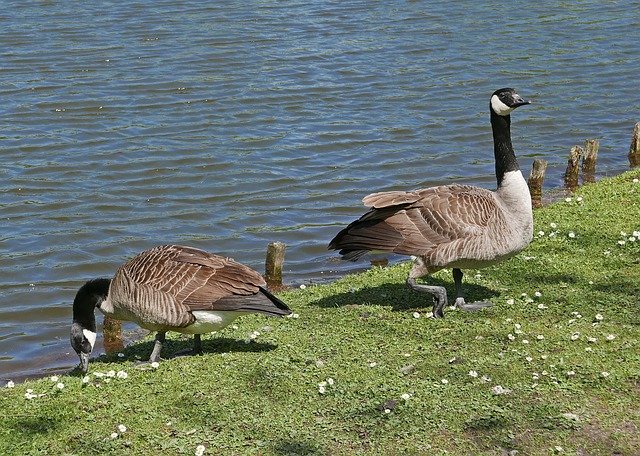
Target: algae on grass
562 342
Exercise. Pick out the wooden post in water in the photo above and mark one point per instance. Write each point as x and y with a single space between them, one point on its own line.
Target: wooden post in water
571 174
634 149
273 265
112 335
536 178
589 160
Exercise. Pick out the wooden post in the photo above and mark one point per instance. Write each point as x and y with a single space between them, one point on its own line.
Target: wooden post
571 174
382 262
589 160
112 335
634 150
273 265
536 178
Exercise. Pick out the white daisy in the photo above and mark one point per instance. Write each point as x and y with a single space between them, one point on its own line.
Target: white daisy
498 389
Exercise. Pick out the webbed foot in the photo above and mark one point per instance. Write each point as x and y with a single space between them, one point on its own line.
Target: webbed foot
472 306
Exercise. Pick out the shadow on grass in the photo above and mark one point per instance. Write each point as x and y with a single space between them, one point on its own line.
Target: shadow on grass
29 425
545 278
297 448
141 351
401 297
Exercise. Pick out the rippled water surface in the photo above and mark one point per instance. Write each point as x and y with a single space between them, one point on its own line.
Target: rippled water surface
226 125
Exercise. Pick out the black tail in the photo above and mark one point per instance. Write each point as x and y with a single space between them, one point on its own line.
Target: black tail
363 236
280 307
340 243
263 302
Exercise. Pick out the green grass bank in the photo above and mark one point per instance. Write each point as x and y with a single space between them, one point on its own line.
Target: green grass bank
552 368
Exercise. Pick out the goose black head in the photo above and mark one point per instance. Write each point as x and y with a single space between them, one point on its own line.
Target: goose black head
503 101
83 328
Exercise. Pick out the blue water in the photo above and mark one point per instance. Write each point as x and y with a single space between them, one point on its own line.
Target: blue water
226 125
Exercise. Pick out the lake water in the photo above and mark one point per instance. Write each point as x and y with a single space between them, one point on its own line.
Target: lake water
226 125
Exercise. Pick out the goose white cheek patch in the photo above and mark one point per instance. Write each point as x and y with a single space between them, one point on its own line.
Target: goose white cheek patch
91 337
499 107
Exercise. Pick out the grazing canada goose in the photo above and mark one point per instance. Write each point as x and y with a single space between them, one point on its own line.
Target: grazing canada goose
456 226
171 288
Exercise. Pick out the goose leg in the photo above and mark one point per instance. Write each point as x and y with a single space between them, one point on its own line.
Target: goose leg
196 350
460 303
197 344
157 347
439 295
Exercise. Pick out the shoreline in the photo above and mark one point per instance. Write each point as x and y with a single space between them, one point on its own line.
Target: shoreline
134 335
553 364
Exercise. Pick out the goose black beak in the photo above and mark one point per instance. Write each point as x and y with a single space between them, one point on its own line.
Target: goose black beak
84 362
520 102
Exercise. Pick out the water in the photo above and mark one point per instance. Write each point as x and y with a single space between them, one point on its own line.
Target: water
226 125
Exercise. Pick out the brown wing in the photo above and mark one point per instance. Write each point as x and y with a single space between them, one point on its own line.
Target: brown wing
413 223
217 277
194 278
161 287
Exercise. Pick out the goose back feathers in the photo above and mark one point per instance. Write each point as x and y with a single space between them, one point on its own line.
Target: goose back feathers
161 288
450 226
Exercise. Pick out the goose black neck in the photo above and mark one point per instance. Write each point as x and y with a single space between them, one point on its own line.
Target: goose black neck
89 296
502 148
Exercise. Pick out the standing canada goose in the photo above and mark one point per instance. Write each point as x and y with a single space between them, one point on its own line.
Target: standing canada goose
171 288
456 226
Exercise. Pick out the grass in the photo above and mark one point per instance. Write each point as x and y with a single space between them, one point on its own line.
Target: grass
552 368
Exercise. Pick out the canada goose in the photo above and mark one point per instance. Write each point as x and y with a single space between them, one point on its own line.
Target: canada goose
457 226
171 288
